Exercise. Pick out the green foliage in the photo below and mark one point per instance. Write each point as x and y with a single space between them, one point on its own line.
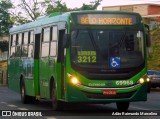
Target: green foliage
92 6
57 6
33 9
154 57
27 11
5 21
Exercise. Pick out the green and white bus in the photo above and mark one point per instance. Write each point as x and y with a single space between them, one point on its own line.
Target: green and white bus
80 56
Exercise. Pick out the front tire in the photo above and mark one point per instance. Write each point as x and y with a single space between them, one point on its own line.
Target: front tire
56 104
122 106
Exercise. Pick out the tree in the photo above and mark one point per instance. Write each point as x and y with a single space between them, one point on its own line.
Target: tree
30 10
27 11
5 21
92 6
56 6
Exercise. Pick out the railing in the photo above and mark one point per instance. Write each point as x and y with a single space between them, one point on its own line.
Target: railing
4 56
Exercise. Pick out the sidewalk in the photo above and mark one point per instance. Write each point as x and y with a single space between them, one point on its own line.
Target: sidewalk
2 85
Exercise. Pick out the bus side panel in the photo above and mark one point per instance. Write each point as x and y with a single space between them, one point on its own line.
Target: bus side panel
51 74
58 80
14 68
43 76
29 85
28 65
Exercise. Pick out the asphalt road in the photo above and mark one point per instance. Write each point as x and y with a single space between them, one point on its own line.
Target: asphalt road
10 100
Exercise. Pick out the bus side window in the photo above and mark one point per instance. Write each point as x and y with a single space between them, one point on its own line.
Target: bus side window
53 49
14 40
12 52
12 46
18 47
25 41
31 44
54 33
53 46
45 42
25 45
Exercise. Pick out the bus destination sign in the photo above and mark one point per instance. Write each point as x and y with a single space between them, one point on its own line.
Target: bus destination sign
106 19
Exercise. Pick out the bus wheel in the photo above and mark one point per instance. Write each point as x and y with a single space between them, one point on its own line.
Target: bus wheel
24 98
122 106
56 104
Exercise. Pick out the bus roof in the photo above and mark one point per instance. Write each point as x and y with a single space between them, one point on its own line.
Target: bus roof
53 19
40 22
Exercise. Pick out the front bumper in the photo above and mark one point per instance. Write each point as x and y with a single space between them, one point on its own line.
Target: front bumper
82 93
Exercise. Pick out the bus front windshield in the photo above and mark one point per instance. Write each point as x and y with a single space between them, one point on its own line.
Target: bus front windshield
107 49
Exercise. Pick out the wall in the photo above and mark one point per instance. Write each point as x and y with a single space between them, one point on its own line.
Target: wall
127 8
153 9
141 9
111 8
4 38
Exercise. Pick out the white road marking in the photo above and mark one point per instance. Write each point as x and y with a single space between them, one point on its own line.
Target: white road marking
139 108
12 105
51 118
3 102
23 109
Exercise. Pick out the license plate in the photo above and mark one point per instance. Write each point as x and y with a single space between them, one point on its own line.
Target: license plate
109 92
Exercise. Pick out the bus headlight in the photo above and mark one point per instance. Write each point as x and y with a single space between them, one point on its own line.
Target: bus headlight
141 80
74 80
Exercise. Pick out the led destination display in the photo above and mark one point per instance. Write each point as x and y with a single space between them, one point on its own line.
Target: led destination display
106 19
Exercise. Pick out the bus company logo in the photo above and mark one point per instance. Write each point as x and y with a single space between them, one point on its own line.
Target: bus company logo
109 83
6 113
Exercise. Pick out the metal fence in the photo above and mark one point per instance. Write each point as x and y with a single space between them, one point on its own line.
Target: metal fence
4 56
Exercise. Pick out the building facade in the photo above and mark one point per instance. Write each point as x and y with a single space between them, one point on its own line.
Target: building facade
149 12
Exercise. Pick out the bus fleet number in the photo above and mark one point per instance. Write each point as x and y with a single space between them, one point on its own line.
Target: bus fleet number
86 59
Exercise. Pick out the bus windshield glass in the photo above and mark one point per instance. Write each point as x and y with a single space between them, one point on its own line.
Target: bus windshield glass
107 49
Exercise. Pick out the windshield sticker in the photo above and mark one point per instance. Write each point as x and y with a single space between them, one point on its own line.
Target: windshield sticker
114 62
87 57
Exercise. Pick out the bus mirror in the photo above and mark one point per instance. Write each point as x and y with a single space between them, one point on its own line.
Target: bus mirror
148 40
66 40
148 37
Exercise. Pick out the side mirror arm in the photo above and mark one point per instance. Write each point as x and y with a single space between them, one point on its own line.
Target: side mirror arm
148 37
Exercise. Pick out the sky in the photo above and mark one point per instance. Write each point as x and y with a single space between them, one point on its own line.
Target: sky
79 3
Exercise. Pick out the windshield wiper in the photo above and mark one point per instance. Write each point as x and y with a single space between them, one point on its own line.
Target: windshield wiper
120 43
93 42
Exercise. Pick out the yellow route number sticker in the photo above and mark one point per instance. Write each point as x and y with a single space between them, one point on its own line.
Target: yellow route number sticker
86 57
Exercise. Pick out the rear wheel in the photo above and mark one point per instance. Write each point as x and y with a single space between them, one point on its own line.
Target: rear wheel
56 104
24 98
122 106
